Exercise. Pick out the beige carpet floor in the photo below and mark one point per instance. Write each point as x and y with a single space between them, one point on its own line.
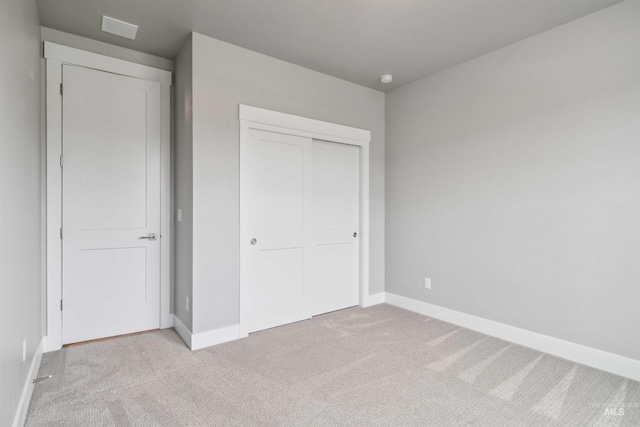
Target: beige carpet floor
380 366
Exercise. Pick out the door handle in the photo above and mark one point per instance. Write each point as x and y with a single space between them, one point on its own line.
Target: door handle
151 236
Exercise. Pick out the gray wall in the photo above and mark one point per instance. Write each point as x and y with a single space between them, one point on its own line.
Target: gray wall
223 77
19 198
184 182
513 182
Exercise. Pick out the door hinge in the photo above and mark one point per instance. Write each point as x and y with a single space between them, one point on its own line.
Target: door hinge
60 88
60 232
61 161
60 305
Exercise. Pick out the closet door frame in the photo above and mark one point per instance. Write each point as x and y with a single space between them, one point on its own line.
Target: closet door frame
273 121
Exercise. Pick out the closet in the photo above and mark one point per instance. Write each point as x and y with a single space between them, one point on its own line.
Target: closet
300 226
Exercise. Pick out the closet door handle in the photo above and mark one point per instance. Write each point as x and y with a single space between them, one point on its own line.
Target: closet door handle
253 241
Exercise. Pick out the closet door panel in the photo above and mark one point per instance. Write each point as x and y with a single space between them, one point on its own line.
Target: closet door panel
335 226
277 244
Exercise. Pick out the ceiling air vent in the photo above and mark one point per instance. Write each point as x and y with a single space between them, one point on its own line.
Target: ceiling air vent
119 28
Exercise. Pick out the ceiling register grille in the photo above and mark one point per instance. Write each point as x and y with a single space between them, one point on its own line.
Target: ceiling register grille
119 28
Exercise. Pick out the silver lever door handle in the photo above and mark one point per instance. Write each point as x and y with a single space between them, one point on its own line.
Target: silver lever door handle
151 236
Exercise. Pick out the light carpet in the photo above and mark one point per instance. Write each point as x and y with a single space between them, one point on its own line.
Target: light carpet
379 366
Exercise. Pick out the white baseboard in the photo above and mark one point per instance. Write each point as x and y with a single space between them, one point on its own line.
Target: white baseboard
182 330
374 299
216 336
208 338
589 356
27 391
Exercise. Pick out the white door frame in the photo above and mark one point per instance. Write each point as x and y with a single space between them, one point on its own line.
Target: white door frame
56 56
261 119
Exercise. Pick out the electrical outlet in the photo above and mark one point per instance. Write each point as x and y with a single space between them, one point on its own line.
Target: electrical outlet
187 303
24 349
427 283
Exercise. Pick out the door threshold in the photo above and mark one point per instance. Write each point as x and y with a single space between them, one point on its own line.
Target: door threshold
108 338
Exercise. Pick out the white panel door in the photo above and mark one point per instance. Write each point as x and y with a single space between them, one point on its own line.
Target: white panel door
300 209
111 204
335 224
275 242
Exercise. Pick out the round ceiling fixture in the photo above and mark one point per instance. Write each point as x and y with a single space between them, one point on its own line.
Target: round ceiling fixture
386 78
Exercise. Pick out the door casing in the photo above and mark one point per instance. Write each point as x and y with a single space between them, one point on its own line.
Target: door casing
262 119
56 55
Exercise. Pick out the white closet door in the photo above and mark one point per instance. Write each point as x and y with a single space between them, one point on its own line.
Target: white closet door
334 220
275 240
111 204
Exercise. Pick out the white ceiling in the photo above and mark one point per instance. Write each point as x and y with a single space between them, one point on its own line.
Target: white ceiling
356 40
